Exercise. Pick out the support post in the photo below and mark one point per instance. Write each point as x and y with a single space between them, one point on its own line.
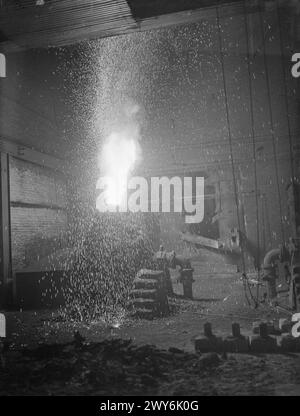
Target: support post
5 240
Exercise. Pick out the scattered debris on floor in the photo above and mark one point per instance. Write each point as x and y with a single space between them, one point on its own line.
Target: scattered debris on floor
113 366
120 367
269 339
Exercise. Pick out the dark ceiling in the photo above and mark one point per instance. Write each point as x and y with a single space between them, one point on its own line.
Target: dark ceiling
27 24
143 9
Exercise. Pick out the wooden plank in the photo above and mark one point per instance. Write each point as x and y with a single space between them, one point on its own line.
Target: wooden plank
202 241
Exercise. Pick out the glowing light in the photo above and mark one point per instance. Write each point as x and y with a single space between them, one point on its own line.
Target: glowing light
117 160
116 325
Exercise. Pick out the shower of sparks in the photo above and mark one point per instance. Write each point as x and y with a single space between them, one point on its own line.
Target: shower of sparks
178 85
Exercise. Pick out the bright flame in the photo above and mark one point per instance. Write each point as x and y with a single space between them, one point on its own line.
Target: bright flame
118 158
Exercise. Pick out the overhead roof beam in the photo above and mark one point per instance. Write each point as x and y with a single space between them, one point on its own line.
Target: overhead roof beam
33 156
64 22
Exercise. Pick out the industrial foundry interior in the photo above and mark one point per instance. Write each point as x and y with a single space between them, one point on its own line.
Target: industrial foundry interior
149 191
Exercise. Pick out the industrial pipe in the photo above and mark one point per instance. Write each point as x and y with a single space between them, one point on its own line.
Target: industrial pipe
270 271
295 274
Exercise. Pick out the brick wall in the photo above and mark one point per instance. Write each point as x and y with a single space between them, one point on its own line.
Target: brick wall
38 215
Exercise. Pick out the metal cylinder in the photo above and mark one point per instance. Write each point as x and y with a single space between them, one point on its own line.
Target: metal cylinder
236 330
263 330
270 271
208 330
186 278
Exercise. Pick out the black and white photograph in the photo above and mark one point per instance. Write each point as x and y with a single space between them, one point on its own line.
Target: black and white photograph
149 201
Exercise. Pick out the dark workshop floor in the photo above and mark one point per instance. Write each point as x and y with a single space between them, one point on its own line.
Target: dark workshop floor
219 299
